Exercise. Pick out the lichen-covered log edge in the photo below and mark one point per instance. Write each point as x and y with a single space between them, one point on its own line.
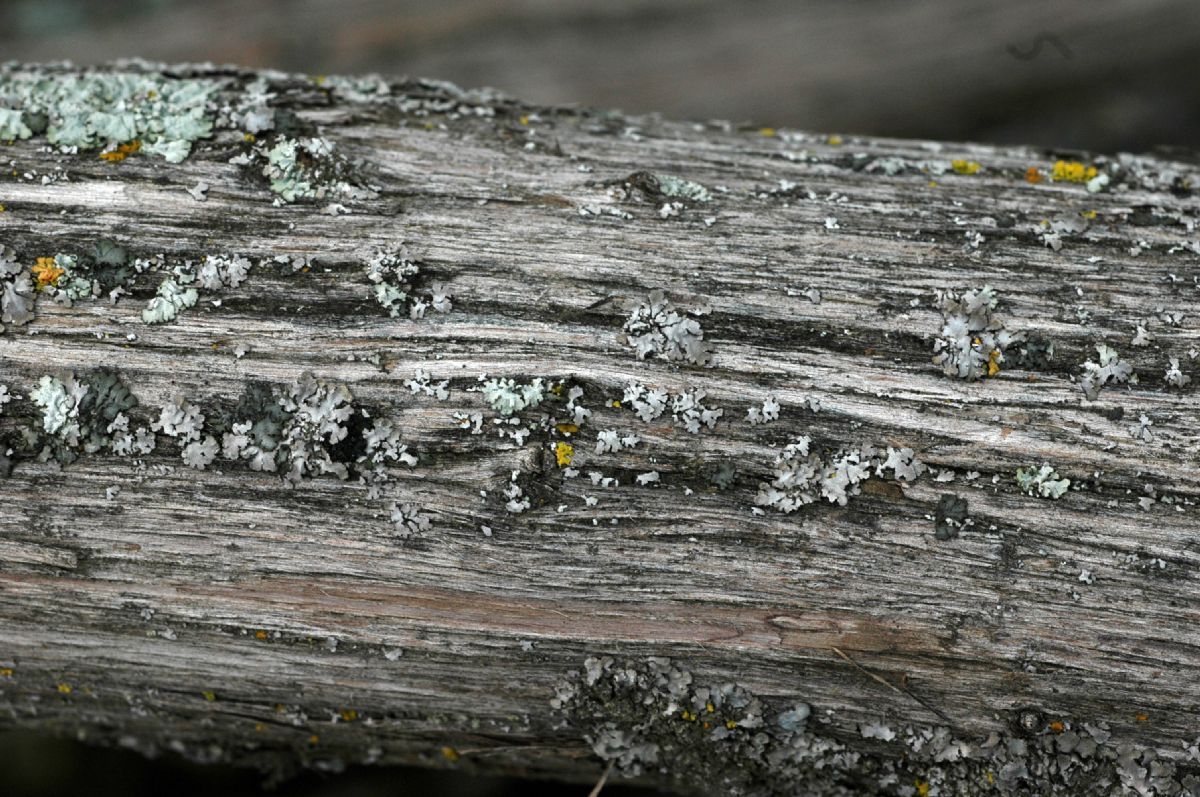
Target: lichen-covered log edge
350 420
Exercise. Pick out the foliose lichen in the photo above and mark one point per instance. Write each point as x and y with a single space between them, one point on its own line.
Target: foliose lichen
655 327
768 412
170 298
973 340
1110 369
16 290
647 403
951 516
392 272
508 397
689 411
650 716
106 108
306 168
1042 482
802 476
87 415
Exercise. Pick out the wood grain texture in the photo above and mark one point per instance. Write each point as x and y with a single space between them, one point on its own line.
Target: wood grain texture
143 603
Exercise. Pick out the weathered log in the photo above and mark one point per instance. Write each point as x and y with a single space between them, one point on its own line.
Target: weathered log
940 538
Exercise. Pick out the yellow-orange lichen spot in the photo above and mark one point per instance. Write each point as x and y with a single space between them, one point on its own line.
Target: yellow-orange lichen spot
121 152
994 362
45 272
1072 172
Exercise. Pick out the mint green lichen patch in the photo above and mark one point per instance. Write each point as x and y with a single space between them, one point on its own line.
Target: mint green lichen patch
102 109
678 188
170 299
1043 482
508 397
86 413
304 168
12 125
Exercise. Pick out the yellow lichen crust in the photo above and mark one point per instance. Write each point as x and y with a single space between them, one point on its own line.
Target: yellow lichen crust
563 452
1072 172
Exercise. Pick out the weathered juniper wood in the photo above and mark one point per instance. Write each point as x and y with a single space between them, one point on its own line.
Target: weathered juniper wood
229 615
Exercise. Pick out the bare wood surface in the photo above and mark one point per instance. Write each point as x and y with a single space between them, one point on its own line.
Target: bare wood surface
230 615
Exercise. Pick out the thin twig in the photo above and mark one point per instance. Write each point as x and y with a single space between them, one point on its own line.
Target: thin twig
595 792
898 690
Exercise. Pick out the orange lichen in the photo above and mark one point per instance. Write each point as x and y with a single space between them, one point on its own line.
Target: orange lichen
348 715
260 634
1142 717
567 428
6 672
45 272
1072 172
449 753
314 739
1057 726
1033 175
121 152
961 166
993 366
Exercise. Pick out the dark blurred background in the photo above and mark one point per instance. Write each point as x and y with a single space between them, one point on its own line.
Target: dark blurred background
1104 75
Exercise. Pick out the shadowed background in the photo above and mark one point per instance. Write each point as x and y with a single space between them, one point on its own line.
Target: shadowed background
1103 75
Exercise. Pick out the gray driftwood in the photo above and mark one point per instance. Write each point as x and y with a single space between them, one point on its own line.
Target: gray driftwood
231 616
